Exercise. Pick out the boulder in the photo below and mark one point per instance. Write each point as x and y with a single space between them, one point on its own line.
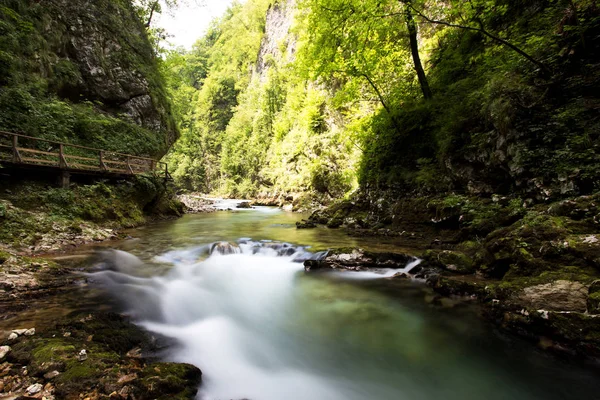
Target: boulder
560 295
4 350
224 248
304 224
358 259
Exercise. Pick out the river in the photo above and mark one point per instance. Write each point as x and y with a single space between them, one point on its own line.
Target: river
260 328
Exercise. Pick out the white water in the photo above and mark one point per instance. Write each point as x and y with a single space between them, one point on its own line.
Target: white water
262 329
230 315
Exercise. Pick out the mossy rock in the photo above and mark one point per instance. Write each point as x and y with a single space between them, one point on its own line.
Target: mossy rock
164 381
453 261
457 286
107 365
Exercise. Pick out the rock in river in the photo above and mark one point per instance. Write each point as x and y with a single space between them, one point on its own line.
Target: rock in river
561 295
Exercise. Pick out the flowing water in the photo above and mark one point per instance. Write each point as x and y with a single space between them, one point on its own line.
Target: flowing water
262 329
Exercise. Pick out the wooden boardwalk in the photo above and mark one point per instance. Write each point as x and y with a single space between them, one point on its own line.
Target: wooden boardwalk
22 151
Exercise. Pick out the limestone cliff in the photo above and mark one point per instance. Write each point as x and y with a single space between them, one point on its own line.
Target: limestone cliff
278 44
82 71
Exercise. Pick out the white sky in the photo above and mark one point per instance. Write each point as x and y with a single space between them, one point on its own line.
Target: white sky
189 22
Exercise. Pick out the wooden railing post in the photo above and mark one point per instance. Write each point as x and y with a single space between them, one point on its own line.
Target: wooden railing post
15 149
129 166
102 165
62 160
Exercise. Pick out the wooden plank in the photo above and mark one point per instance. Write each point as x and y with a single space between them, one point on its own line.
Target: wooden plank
81 158
115 162
39 160
84 166
10 134
134 164
26 150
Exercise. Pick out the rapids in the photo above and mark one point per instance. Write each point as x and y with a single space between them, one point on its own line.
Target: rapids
260 328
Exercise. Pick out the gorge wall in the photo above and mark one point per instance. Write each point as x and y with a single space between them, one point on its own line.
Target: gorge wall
84 72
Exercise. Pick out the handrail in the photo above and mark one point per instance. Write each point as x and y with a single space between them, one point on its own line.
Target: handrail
75 145
134 164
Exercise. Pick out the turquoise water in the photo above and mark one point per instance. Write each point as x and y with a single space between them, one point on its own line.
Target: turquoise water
261 328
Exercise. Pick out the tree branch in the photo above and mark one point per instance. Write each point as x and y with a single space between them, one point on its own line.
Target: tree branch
539 64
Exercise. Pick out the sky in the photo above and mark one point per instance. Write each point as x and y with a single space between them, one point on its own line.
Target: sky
189 21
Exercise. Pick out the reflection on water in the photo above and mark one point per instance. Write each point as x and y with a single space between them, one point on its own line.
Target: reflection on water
261 223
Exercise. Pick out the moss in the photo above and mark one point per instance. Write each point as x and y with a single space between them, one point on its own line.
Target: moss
170 380
50 350
34 210
593 303
454 261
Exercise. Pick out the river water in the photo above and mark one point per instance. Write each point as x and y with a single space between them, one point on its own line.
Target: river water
262 329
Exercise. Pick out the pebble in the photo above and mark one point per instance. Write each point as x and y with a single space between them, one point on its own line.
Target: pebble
4 350
51 375
82 356
127 378
134 353
35 388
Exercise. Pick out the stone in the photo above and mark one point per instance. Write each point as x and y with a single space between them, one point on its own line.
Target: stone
29 332
224 248
19 332
244 204
35 388
82 356
560 295
4 350
51 375
127 378
304 224
134 353
12 336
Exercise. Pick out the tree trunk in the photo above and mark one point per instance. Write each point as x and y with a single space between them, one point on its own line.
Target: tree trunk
152 9
414 49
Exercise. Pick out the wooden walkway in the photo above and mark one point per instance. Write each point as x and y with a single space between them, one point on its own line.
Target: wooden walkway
19 150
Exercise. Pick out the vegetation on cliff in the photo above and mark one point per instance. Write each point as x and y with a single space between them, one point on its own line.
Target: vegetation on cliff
493 97
84 73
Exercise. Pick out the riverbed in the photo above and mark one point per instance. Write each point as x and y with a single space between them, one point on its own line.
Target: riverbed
261 328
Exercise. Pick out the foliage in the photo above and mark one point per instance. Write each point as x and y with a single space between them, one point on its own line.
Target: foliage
348 103
43 91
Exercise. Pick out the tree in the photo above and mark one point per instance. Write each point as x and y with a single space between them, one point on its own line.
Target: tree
372 40
469 15
411 26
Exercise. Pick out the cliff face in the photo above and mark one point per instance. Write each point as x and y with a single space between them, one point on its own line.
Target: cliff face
279 20
82 71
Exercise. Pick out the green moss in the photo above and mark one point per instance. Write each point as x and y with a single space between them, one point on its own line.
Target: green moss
44 92
52 350
170 381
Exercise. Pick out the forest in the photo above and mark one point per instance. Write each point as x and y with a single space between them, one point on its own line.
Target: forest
323 96
317 200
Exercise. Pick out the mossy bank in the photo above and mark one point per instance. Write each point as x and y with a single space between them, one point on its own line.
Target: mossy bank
92 356
534 267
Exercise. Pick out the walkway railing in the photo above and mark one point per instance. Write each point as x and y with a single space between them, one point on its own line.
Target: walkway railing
27 150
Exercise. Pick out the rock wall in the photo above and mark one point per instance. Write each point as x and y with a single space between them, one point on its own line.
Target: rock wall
279 20
93 53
